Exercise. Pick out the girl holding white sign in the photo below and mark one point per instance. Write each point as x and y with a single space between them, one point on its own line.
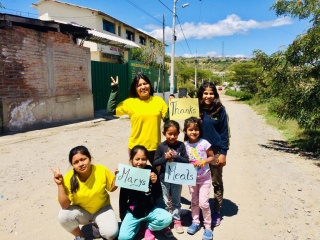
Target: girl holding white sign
138 207
171 150
200 155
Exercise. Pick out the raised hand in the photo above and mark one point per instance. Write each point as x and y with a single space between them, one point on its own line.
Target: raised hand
114 82
57 176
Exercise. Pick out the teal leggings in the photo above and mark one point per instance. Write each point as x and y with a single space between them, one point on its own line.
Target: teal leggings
156 220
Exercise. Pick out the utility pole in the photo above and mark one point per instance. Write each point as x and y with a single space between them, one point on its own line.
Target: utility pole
173 42
172 46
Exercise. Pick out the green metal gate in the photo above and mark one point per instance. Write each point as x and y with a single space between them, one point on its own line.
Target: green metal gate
155 75
101 82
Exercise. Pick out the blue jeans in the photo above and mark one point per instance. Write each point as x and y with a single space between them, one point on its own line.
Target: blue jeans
156 220
175 190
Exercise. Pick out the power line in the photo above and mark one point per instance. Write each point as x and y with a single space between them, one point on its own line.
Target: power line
165 6
184 35
179 24
133 4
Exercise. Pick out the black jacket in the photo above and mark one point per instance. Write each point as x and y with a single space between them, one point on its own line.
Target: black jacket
180 155
140 203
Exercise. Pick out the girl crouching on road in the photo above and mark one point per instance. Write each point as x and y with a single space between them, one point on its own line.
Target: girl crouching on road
83 197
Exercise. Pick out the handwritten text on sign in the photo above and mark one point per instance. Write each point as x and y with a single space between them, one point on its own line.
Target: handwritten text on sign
133 178
180 173
182 108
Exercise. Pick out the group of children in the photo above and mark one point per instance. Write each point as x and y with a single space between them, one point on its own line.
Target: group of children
146 212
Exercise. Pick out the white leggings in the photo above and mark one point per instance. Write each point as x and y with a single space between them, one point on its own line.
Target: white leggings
105 218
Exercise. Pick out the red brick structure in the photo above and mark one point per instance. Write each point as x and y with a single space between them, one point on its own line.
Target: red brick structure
45 77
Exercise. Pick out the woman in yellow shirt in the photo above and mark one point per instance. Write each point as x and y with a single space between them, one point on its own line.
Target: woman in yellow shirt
83 196
145 112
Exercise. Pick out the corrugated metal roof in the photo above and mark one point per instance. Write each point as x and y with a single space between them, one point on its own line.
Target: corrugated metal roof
105 38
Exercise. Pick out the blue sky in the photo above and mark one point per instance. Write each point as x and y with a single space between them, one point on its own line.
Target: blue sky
210 27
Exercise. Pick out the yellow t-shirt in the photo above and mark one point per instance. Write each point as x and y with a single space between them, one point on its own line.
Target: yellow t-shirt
92 194
145 117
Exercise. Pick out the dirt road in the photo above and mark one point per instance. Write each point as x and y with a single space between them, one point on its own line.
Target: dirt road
270 192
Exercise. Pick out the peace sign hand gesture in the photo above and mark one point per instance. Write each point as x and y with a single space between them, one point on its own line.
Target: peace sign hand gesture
57 176
114 82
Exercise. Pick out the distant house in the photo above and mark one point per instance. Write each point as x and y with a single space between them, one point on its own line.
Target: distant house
45 76
121 35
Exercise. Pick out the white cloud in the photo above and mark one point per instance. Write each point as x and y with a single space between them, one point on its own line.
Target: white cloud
230 26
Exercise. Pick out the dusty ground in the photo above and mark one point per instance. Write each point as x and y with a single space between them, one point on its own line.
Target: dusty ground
270 191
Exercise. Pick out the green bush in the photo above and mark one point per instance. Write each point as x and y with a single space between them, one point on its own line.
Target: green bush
239 94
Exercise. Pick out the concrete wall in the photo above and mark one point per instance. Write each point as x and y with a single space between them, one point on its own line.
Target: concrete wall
45 79
34 113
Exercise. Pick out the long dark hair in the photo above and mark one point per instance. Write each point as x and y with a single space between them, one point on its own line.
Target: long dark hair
135 149
170 123
133 92
187 122
216 105
84 151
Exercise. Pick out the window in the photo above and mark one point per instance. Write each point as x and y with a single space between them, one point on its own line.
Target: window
106 55
119 31
142 40
129 35
151 44
108 26
110 56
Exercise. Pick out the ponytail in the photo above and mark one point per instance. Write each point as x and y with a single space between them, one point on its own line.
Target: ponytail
74 182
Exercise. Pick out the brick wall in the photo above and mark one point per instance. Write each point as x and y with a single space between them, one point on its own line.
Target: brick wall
45 79
39 64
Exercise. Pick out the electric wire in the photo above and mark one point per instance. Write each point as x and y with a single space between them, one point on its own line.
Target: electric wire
179 25
165 6
133 4
184 35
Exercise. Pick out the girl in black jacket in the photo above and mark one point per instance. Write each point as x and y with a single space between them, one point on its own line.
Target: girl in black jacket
136 206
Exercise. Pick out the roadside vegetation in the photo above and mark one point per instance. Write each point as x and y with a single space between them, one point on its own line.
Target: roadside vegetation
284 86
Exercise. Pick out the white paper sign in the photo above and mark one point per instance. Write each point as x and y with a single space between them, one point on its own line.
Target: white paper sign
133 178
180 173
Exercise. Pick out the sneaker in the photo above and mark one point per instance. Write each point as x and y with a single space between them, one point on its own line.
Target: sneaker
216 219
79 238
207 235
167 232
178 227
193 228
148 235
90 231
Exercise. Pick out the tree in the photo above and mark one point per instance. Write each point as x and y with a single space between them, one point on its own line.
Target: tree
149 55
248 75
294 73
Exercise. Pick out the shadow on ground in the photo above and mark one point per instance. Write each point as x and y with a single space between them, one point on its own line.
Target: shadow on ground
228 209
284 146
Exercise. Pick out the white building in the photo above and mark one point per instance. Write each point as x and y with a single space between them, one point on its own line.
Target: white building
120 35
